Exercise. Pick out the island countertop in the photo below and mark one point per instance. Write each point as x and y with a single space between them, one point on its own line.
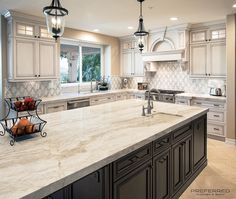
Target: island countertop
81 141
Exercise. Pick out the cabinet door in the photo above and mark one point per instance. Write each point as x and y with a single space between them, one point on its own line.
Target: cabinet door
218 59
188 157
199 141
198 36
137 184
64 193
90 187
177 156
47 59
25 30
127 63
161 176
25 58
198 60
138 64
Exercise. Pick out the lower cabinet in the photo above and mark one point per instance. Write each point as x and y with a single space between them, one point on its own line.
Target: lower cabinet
182 154
137 184
93 186
162 175
161 169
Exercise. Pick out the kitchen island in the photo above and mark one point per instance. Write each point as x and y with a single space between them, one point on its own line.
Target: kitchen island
108 151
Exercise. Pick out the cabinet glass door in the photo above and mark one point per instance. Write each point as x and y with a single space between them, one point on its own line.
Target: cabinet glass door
198 36
25 29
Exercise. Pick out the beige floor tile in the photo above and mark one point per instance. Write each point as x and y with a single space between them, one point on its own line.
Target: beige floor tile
218 179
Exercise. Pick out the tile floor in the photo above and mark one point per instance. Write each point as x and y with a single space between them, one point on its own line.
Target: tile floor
219 175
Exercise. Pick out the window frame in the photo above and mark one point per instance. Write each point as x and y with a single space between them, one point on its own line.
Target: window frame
81 44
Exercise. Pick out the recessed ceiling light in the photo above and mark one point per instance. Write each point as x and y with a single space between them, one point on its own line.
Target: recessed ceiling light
96 30
173 18
234 6
130 28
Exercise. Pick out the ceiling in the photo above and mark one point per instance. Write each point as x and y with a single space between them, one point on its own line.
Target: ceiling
113 17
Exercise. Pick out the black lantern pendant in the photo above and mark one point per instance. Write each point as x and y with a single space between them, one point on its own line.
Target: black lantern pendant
141 33
55 17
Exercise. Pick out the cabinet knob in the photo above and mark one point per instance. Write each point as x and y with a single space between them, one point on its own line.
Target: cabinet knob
35 75
35 36
38 75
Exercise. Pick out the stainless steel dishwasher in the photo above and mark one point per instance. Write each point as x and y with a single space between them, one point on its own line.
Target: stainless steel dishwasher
79 103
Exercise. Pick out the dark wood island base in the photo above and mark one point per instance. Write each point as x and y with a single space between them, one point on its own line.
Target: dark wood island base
159 170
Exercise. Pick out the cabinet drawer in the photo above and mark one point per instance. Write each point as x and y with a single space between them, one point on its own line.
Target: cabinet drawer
102 100
182 132
181 101
215 129
126 164
208 104
161 144
216 116
52 108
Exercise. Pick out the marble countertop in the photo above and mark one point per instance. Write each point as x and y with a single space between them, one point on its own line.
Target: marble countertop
76 146
74 96
202 96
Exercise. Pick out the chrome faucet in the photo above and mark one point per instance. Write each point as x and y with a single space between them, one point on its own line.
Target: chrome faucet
149 106
91 85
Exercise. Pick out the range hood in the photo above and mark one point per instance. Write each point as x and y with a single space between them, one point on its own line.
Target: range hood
168 55
171 45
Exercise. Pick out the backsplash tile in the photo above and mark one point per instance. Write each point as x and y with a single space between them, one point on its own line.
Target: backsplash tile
32 88
172 76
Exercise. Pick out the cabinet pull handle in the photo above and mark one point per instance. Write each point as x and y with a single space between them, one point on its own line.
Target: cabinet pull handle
216 129
198 103
217 105
216 116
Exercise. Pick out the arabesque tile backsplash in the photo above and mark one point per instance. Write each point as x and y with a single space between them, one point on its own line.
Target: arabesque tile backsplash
169 75
36 89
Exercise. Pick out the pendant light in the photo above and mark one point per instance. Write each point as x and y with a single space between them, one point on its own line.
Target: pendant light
141 33
55 17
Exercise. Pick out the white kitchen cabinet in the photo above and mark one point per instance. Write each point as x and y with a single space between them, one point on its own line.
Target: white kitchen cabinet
131 59
47 60
32 53
208 53
217 65
198 60
24 59
216 117
32 59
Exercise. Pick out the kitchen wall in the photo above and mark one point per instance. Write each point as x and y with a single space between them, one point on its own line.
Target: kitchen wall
231 76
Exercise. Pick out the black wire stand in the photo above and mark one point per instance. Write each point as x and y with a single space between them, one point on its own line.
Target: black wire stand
23 108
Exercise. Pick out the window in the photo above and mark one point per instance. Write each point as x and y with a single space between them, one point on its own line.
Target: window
80 63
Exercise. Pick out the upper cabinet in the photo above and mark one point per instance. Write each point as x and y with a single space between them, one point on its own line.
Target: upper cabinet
32 53
208 52
131 59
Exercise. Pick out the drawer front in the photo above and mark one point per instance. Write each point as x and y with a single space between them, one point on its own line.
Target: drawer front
182 132
216 116
181 101
161 144
215 129
126 164
102 100
208 104
56 108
